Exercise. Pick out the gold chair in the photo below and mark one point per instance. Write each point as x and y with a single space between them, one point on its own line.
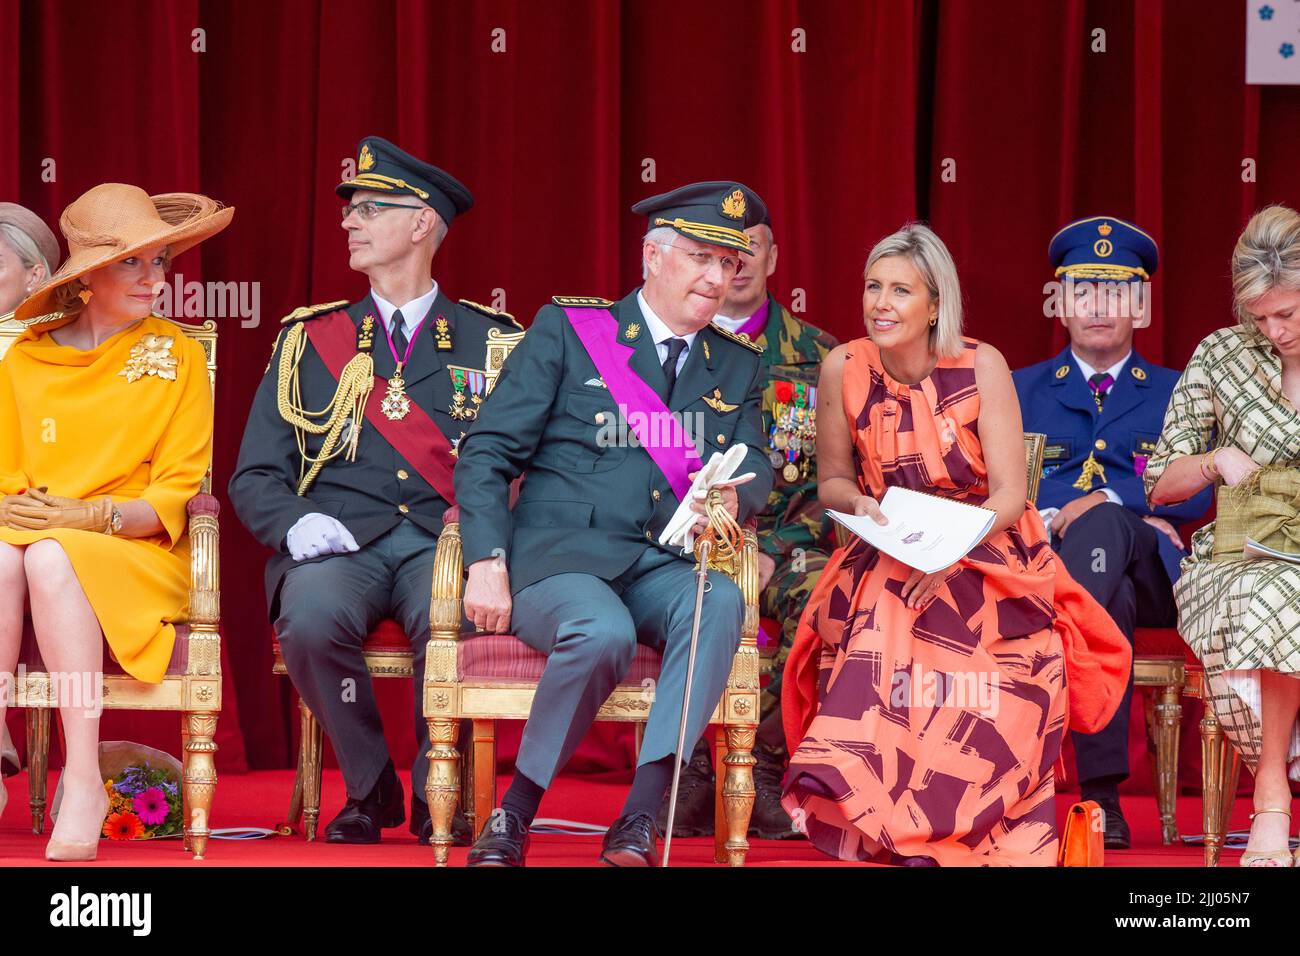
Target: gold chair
192 683
486 678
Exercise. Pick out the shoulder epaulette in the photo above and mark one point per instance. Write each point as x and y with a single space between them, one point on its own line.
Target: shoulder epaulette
492 313
311 311
738 339
590 301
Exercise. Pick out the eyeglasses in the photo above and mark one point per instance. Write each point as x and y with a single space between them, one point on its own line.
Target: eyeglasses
705 260
370 208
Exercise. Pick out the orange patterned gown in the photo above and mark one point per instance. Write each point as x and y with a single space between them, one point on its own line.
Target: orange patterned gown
936 730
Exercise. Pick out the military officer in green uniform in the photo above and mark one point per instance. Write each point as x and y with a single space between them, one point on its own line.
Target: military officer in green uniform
793 533
577 569
346 468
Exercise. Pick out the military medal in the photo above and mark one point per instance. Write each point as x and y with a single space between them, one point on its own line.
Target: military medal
396 403
792 437
468 386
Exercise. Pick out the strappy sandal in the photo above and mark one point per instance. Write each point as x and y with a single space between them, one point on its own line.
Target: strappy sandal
1280 857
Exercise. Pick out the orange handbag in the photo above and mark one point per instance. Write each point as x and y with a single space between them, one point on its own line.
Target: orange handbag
1082 840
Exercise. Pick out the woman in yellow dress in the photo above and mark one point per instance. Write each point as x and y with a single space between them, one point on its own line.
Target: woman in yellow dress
105 435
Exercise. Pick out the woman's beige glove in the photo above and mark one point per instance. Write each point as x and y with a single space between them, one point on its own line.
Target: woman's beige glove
37 511
7 504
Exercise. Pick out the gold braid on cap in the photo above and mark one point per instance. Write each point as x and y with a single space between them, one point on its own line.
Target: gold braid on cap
355 384
707 232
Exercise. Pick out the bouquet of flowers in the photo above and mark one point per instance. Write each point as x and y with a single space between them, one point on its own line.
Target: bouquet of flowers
143 803
144 791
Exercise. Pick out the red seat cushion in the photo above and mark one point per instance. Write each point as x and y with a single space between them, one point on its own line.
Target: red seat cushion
1162 642
29 655
504 657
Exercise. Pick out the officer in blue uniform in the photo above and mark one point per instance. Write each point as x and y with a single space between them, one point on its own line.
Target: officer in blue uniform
1102 407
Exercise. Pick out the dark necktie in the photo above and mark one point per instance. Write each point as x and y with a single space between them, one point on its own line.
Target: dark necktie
1100 384
675 347
399 334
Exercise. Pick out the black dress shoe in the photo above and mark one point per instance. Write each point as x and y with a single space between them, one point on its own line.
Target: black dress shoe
360 821
769 820
503 842
422 825
1116 835
695 792
631 841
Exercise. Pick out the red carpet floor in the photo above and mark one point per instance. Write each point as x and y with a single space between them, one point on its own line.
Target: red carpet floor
262 799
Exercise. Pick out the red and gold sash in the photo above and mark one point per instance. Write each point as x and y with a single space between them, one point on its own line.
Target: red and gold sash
416 437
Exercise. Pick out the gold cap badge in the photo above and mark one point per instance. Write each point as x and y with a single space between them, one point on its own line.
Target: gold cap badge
1104 229
366 159
733 206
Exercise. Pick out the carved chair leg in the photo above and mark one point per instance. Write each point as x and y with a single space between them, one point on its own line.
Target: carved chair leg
442 789
1168 718
200 777
309 760
1214 755
38 763
719 778
738 792
483 783
185 765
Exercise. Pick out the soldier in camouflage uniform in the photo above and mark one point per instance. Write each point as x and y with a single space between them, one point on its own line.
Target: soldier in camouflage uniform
793 533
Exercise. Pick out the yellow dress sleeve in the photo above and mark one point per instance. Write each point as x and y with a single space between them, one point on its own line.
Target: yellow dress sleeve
184 452
1189 420
12 477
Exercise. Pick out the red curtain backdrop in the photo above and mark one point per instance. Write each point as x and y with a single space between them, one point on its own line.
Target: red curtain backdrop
995 121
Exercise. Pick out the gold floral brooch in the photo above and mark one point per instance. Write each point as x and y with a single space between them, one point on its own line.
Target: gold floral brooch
152 355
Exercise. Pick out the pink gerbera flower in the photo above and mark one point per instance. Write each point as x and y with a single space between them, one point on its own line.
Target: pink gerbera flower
151 806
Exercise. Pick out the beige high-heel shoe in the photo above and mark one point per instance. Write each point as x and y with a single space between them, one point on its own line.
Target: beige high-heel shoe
68 851
1281 858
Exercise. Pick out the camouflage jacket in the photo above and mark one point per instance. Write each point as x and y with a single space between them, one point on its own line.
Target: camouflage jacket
792 353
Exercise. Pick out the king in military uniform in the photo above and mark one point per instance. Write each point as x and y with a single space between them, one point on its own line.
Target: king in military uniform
577 569
793 533
346 468
1102 407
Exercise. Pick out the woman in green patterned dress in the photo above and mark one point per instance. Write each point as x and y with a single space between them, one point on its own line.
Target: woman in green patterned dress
1234 409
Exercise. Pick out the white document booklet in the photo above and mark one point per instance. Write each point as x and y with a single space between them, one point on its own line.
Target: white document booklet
1253 549
925 532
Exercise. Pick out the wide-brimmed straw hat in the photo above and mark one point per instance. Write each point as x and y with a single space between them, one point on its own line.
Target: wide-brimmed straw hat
114 221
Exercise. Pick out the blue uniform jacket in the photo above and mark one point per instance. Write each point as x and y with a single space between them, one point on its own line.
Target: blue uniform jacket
1055 399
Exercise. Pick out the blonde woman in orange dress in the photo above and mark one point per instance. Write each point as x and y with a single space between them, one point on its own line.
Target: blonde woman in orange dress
940 701
105 435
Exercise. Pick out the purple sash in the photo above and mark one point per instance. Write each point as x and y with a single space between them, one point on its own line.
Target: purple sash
598 331
753 326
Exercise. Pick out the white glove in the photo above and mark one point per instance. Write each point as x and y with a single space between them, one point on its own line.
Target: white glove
316 534
720 471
